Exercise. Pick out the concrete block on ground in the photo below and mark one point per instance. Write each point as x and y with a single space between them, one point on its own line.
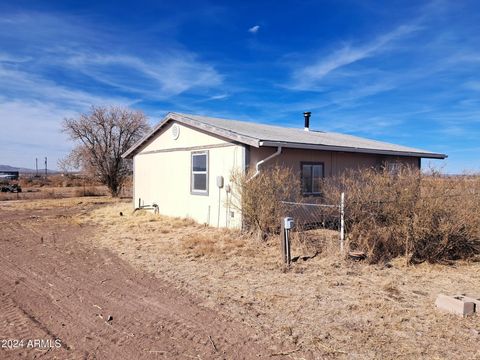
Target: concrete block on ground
455 304
475 300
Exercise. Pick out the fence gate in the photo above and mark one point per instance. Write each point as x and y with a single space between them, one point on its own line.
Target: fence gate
314 223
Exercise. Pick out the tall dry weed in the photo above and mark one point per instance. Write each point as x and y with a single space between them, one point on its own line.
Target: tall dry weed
259 198
425 217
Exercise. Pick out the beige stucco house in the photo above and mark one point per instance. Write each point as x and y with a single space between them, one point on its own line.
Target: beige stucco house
183 165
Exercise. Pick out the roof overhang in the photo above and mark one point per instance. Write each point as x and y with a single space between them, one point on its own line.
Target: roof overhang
255 142
227 134
284 144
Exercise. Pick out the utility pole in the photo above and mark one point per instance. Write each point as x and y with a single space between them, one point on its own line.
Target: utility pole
45 167
36 167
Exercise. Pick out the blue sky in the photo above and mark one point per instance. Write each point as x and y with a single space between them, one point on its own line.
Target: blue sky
398 71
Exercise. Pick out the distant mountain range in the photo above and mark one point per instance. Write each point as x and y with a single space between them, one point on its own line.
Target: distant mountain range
25 170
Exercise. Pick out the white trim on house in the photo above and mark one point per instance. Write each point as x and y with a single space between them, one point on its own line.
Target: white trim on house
194 172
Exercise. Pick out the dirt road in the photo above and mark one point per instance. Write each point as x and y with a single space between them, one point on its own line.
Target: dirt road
54 286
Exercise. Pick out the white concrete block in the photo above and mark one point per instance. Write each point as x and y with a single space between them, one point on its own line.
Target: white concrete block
455 304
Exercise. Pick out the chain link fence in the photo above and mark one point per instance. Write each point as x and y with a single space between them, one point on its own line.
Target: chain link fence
317 224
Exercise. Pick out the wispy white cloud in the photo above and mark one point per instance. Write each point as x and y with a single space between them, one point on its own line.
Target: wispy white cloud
254 29
168 74
213 98
219 97
308 76
80 48
24 85
53 67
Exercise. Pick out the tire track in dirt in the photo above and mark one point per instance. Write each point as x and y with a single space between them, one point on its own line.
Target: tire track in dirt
64 312
11 316
31 276
16 309
176 324
185 326
67 288
17 324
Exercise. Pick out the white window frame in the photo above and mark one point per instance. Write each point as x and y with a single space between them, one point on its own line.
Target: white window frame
192 173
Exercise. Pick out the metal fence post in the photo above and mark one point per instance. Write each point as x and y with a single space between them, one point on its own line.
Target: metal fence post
342 220
286 226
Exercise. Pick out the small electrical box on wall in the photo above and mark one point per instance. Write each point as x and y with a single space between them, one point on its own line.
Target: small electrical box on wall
220 182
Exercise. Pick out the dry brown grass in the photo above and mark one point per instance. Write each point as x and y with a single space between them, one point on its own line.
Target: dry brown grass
58 186
46 204
56 180
47 192
322 242
325 307
180 236
90 191
424 217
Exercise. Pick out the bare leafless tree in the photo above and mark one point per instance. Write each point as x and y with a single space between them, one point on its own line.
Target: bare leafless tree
68 164
102 136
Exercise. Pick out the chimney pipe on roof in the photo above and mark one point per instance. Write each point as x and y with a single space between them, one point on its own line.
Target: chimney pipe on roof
307 114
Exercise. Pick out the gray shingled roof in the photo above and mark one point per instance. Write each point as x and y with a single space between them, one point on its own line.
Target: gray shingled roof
258 135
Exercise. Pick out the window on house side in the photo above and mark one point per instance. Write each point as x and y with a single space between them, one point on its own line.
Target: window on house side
393 167
312 175
199 172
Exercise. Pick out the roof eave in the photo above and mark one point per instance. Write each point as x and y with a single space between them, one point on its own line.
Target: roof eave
230 135
130 153
426 155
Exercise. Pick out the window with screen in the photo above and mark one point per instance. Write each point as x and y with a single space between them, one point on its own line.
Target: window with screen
199 179
392 167
312 175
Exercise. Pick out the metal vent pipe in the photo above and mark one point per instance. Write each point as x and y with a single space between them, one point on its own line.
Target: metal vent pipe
307 114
